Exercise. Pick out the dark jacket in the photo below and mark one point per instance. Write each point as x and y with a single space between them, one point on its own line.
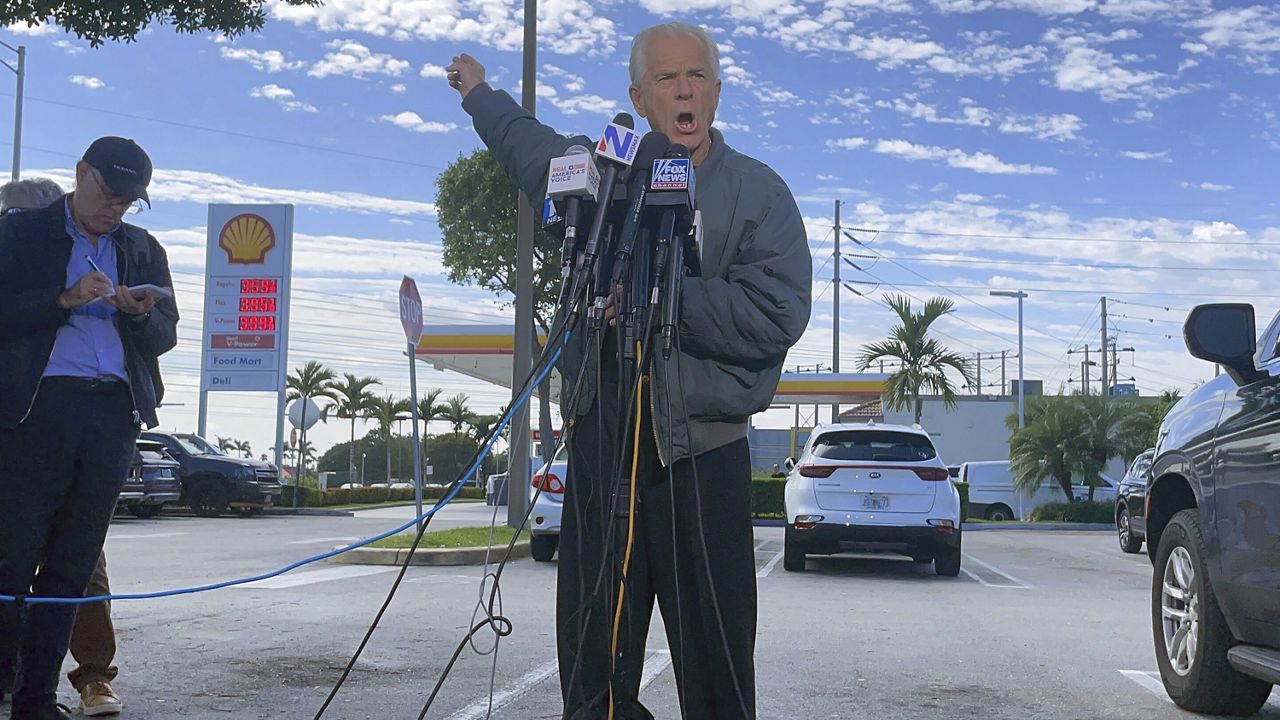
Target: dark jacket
737 320
34 251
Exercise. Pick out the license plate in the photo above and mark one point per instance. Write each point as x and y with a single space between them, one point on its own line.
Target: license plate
875 502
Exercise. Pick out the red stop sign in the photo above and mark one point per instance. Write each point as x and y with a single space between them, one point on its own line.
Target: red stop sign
410 310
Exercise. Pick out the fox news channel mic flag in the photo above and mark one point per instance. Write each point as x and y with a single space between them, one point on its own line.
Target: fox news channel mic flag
248 269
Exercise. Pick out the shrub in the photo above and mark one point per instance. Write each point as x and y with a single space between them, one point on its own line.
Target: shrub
1078 512
963 487
308 497
767 499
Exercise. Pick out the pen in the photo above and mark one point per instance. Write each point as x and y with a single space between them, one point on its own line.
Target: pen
97 269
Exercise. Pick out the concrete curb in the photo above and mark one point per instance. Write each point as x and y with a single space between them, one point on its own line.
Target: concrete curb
429 556
1072 527
274 511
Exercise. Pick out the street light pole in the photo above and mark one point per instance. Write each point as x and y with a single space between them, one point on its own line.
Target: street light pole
1022 380
21 71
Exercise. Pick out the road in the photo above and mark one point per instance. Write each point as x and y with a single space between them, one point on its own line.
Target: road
1040 625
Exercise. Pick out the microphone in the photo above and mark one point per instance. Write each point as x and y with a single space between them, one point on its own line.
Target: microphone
572 179
652 146
673 189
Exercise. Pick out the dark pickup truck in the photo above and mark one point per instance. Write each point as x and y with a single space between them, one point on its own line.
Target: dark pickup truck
1213 521
213 481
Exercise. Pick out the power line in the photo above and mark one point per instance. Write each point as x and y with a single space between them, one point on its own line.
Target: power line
1084 263
1166 308
1106 291
984 236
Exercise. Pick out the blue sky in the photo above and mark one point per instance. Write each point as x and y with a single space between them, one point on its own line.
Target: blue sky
1015 133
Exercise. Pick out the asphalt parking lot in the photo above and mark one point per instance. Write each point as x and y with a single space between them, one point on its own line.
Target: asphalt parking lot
1039 625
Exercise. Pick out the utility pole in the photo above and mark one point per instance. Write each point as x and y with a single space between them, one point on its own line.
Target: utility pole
1084 382
979 366
1106 386
835 314
522 357
1004 384
20 69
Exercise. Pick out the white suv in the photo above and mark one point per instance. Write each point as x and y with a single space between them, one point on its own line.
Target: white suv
872 487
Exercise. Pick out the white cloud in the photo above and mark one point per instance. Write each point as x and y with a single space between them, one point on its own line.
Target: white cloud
20 28
1084 68
283 97
776 96
266 60
825 119
852 99
734 126
68 46
1195 48
433 71
399 88
348 57
571 82
412 121
849 143
567 27
594 104
1252 32
88 81
202 188
826 177
1042 127
1211 187
1162 156
1164 10
979 162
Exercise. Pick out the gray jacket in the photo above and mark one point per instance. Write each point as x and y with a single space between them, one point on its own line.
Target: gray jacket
737 321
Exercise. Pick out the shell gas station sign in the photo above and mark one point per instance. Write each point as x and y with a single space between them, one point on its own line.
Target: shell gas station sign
246 298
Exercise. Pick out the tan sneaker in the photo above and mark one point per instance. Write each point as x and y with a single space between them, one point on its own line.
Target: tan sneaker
97 698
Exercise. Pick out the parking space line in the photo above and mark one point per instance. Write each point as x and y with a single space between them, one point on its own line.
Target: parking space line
509 694
761 544
318 576
319 541
1017 583
768 567
655 665
144 536
1150 679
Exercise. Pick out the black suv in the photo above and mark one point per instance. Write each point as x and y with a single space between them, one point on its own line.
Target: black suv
1131 503
161 485
1213 521
213 481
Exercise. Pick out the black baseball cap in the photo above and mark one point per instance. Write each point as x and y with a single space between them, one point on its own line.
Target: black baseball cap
124 166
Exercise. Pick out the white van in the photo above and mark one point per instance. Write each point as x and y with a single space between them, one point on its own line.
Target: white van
993 497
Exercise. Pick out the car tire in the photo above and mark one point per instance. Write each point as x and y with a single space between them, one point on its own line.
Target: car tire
543 547
145 512
1129 543
947 562
209 499
999 513
1208 684
793 552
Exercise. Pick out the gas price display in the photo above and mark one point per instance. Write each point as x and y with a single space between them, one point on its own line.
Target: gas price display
257 297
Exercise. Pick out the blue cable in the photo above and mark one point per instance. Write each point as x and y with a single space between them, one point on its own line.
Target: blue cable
506 419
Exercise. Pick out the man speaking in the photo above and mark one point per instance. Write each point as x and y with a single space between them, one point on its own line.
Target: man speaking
737 320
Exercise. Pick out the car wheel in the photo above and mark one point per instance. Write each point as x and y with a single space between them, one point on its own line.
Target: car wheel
145 512
793 555
209 499
947 562
999 513
1191 634
1128 542
543 547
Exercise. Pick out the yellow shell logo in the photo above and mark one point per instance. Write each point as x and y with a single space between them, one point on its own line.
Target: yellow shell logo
247 238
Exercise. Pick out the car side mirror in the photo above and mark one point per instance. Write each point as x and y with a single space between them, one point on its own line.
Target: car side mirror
1224 334
789 464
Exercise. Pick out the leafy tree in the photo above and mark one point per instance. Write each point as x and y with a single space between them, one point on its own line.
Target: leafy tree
922 360
1141 427
1048 447
354 400
98 20
457 413
310 382
387 412
476 210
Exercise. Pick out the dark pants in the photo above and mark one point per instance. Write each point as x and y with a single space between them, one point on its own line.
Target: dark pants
60 473
669 563
93 638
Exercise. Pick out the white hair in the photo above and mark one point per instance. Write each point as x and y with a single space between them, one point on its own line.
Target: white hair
34 194
637 66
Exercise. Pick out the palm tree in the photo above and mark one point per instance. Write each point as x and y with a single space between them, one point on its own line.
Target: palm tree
1141 426
1048 447
457 413
923 360
226 444
309 382
354 400
1101 418
430 409
243 448
482 425
387 412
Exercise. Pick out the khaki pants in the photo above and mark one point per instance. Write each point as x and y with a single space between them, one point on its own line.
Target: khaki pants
93 638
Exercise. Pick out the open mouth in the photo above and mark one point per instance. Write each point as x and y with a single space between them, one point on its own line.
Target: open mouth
686 123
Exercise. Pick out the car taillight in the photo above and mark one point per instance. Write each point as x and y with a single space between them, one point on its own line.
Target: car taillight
548 483
933 473
817 471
